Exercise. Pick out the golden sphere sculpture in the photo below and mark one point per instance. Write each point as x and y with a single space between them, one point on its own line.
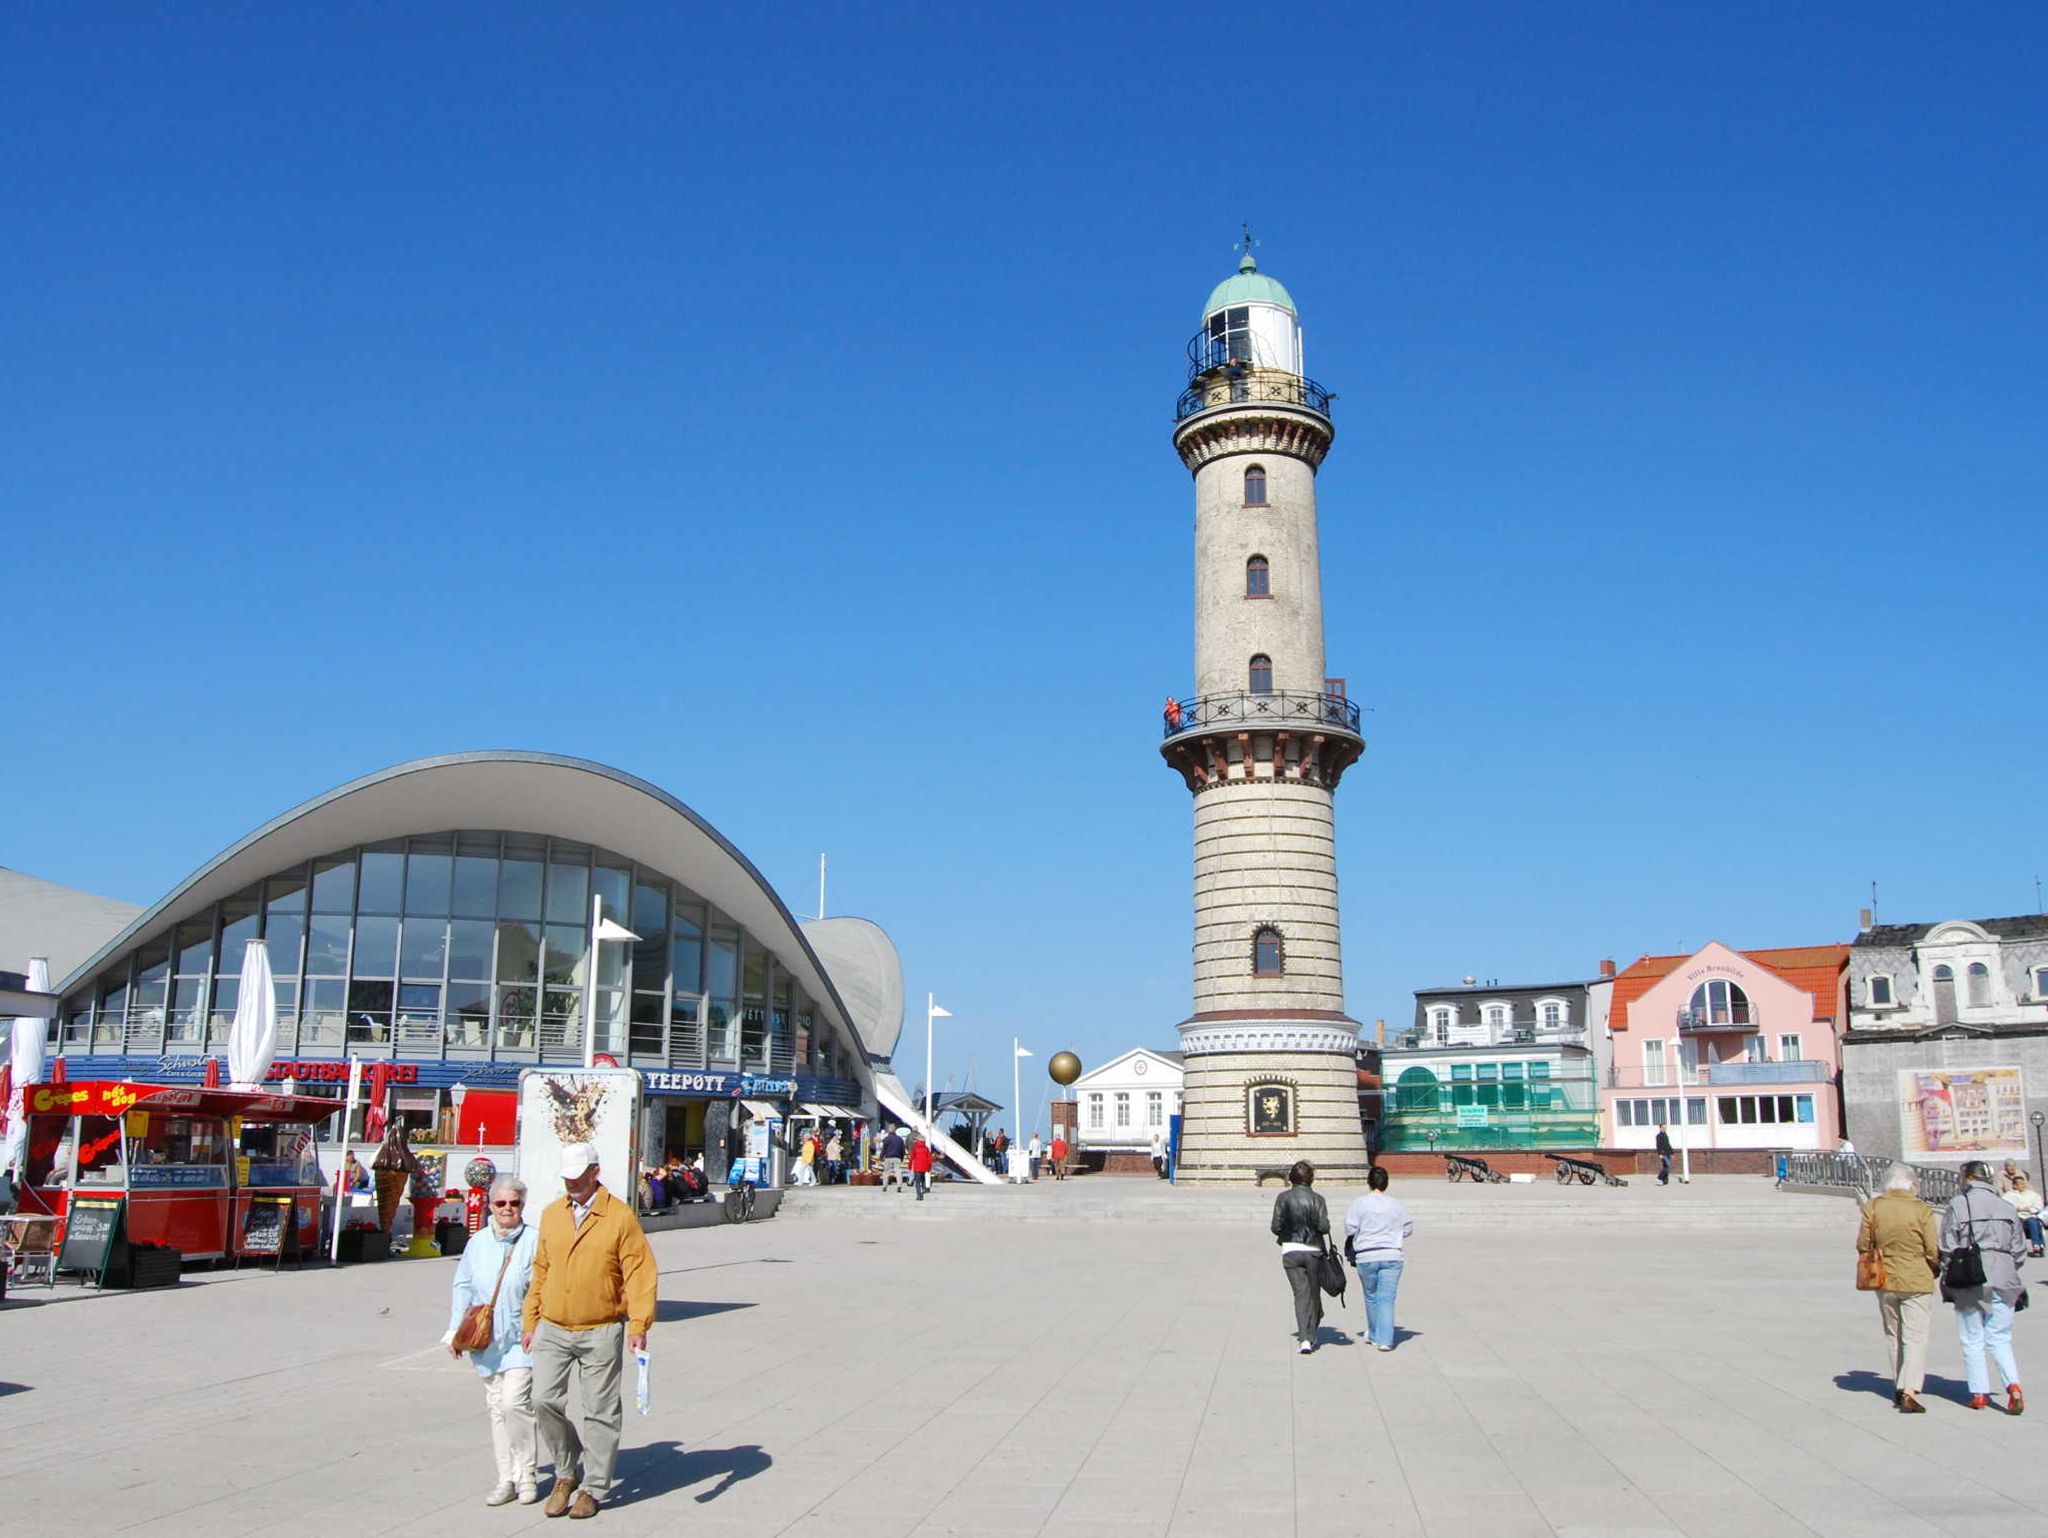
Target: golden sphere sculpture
1064 1067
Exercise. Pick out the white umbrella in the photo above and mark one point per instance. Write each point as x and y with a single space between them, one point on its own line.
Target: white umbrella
25 1059
252 1040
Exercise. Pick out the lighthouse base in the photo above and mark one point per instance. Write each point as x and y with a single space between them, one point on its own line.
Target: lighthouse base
1250 1111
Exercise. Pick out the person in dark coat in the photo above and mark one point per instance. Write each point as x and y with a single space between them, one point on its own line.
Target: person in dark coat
1663 1156
1301 1227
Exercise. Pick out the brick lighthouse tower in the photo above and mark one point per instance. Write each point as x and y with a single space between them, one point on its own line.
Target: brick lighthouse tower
1271 1057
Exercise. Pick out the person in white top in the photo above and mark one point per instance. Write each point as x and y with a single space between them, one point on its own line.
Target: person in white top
2026 1201
1158 1153
1376 1231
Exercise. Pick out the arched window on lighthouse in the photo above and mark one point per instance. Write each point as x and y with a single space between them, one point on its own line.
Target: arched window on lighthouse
1258 578
1255 486
1266 958
1262 674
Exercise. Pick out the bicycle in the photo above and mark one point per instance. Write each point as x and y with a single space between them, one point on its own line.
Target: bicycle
739 1202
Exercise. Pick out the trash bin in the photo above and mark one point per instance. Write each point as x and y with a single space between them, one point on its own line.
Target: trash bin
451 1235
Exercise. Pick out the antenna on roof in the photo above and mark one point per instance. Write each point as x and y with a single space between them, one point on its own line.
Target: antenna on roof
1873 902
2037 896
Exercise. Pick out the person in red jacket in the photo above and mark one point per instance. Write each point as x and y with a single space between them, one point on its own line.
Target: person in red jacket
920 1166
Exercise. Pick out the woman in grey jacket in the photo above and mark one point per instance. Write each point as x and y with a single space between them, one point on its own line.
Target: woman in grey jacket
1301 1227
1978 1215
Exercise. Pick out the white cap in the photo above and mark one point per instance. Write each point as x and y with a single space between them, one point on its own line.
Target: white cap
577 1158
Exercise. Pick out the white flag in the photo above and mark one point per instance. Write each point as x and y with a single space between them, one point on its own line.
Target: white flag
1024 1052
941 1014
607 930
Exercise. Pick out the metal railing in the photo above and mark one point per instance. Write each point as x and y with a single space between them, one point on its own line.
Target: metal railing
1243 384
1795 1071
1865 1177
1269 712
1707 1020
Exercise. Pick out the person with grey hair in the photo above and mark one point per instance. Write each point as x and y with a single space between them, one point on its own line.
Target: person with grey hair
497 1269
1983 1242
1899 1229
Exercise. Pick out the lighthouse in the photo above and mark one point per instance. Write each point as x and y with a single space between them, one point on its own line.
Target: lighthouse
1271 1058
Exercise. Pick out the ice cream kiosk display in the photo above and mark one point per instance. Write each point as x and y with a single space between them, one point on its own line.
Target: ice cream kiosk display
208 1173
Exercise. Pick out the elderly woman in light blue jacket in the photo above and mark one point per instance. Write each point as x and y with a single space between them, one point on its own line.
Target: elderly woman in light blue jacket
503 1248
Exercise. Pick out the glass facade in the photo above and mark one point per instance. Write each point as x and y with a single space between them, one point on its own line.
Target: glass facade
1514 1103
468 946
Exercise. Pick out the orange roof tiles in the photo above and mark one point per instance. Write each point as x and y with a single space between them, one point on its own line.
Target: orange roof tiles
1816 968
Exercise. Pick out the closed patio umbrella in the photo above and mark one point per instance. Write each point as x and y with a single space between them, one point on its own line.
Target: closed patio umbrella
25 1067
252 1040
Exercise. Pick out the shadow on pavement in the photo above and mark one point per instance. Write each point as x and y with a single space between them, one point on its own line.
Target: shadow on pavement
668 1310
645 1472
13 1388
1861 1382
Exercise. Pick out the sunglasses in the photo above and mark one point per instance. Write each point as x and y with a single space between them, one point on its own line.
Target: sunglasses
514 1203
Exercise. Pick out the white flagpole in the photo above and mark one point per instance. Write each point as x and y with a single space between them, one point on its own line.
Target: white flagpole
928 1003
821 886
590 983
1017 1085
348 1115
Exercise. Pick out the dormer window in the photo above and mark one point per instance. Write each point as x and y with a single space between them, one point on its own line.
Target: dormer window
1441 1018
1258 578
1255 486
1979 985
2040 983
1877 991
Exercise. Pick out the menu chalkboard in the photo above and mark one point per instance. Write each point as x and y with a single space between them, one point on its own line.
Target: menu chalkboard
92 1235
264 1230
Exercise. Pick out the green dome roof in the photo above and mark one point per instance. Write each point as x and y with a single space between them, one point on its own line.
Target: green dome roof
1250 286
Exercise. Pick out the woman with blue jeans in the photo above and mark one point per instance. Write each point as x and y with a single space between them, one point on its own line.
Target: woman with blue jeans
1978 1215
1375 1232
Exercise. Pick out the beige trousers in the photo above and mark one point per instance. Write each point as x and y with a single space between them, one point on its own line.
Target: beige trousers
596 1357
1906 1317
514 1436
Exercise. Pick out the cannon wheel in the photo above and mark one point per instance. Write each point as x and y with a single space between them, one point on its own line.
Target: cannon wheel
1564 1174
1585 1177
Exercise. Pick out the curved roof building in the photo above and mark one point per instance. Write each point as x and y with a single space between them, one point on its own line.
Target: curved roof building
437 914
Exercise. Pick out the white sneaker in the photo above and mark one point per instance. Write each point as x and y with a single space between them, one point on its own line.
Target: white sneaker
1307 1346
1383 1348
502 1494
529 1492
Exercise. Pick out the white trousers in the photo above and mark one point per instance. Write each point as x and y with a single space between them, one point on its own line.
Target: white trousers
514 1436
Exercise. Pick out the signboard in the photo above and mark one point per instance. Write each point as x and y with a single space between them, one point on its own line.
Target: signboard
1472 1115
1271 1108
718 1086
560 1106
267 1227
1962 1113
178 1176
92 1235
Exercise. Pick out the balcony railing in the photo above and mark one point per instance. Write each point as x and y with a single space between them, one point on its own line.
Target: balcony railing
1796 1071
1267 712
1241 384
1715 1020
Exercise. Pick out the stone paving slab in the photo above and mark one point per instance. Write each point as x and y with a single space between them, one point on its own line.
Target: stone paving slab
835 1373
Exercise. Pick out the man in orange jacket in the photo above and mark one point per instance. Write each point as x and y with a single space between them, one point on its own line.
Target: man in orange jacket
593 1291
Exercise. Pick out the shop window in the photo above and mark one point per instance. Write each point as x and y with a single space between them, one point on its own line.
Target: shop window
1267 960
1258 578
1262 674
1255 486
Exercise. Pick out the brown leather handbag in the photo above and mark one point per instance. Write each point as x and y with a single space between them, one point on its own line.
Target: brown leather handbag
479 1320
1870 1275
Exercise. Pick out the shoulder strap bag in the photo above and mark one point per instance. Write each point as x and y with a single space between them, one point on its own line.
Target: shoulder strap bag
1965 1266
479 1325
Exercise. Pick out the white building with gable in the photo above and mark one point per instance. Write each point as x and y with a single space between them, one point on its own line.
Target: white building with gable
1126 1100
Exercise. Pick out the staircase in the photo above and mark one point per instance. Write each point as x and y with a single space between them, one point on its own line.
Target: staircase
896 1101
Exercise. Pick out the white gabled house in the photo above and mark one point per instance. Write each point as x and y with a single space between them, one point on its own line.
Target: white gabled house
1124 1101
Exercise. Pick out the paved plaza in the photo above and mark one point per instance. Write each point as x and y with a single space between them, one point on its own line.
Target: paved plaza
1583 1362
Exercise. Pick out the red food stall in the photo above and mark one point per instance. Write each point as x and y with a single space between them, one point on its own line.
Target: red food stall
208 1172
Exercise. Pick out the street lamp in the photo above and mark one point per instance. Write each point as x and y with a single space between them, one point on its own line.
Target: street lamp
1678 1111
601 930
2040 1168
931 1012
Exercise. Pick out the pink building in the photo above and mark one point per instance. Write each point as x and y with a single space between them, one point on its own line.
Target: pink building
1728 1049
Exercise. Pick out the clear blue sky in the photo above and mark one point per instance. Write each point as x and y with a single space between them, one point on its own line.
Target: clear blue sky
774 402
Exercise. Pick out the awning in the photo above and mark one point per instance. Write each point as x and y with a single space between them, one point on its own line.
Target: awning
761 1110
829 1113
